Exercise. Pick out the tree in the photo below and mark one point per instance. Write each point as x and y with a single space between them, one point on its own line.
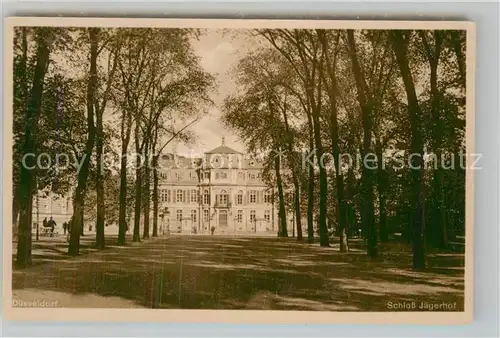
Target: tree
366 106
400 40
112 39
129 96
331 86
256 117
302 50
78 201
44 38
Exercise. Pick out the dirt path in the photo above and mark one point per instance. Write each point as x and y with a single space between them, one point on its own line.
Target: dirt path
213 272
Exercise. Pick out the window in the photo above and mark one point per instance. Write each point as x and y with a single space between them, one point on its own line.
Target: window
253 196
206 215
194 196
267 197
252 216
223 197
206 197
180 196
193 216
206 175
239 218
179 176
251 176
239 198
179 216
165 195
267 216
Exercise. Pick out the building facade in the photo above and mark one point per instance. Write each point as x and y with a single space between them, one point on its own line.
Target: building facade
222 192
47 205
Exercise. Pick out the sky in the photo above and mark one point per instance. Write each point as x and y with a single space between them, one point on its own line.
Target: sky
218 53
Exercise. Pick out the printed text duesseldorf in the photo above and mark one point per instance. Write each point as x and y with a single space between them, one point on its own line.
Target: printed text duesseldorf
35 303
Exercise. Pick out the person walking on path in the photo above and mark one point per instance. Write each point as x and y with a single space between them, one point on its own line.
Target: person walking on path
52 225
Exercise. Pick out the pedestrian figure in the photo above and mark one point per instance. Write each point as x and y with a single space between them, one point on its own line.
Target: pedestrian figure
44 223
212 230
52 225
65 227
69 229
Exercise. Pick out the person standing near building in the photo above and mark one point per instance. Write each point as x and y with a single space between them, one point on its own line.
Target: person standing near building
52 225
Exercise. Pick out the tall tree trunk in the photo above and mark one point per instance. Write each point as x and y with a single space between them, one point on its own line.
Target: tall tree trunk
437 229
24 95
365 102
77 224
100 107
457 39
99 227
334 134
339 178
122 216
350 201
381 188
310 187
27 184
155 194
323 230
399 44
147 192
297 206
294 169
283 232
138 187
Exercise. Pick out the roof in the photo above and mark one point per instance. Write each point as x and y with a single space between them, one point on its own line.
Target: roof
223 150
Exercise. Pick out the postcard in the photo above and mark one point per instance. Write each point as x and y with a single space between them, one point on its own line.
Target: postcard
238 171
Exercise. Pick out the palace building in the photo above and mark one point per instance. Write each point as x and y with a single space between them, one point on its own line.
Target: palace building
222 191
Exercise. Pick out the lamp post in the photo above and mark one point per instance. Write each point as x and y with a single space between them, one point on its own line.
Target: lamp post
167 213
161 224
37 216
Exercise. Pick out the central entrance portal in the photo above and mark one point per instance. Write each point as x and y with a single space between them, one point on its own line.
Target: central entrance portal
223 218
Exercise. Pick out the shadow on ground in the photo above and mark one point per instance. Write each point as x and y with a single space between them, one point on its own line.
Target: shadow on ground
213 272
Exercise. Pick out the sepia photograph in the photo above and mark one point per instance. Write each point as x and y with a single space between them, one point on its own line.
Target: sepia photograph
238 170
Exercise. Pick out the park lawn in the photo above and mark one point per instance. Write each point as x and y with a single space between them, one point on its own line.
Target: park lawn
216 272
